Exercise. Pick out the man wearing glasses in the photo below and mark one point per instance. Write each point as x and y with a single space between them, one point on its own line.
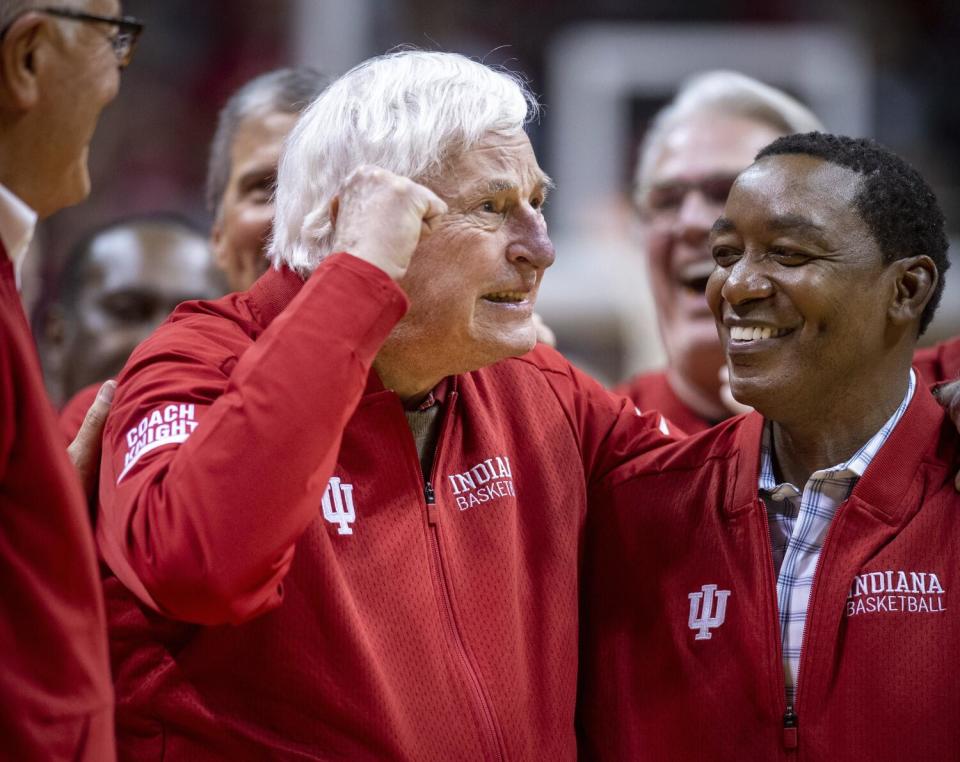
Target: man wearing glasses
59 66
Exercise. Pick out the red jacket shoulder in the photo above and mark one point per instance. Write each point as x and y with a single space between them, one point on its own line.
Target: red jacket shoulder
940 362
717 446
214 332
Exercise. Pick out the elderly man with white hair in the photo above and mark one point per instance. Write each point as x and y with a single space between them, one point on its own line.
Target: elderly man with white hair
342 509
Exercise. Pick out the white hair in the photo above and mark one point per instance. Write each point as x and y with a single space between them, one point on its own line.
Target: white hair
406 112
721 92
10 10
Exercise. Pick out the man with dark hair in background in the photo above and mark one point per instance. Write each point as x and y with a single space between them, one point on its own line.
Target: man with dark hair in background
118 284
784 582
58 68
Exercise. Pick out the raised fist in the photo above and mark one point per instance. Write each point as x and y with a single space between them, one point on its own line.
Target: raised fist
380 217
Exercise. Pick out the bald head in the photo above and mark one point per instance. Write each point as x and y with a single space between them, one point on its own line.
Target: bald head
118 285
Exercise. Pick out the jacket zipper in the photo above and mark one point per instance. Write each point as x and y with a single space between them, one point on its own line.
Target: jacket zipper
791 710
791 721
450 622
790 736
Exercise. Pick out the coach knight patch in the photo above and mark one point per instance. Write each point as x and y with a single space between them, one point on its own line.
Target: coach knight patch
170 424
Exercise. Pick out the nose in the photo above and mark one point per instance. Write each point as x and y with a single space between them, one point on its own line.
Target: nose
531 245
695 217
746 281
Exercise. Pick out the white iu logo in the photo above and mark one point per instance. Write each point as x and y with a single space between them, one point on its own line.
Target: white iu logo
706 619
338 505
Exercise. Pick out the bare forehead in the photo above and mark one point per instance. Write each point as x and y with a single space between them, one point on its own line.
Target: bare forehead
263 130
798 180
102 7
710 143
148 241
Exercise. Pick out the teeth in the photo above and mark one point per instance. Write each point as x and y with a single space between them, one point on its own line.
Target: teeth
506 296
747 333
696 270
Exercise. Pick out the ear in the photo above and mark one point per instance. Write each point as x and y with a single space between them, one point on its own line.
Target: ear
915 279
218 245
334 211
21 56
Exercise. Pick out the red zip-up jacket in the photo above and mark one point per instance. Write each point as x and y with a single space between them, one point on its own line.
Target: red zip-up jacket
288 585
940 362
56 701
681 654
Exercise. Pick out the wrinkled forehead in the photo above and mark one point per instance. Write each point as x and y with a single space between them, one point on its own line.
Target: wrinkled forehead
497 162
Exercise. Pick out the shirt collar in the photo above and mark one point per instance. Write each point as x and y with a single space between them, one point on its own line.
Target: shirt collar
17 223
437 396
853 468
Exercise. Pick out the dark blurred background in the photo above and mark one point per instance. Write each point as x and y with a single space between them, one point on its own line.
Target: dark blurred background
880 68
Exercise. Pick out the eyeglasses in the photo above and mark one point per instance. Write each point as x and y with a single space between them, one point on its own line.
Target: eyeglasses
123 42
662 203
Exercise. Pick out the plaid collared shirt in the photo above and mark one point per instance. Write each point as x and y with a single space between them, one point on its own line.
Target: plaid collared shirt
798 527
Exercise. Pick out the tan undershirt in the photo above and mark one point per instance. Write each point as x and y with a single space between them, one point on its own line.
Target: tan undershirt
425 427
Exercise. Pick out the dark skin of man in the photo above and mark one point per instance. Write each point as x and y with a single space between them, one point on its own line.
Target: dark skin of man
132 279
839 325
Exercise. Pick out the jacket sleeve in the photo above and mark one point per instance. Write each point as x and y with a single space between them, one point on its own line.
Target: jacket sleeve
213 466
939 363
611 429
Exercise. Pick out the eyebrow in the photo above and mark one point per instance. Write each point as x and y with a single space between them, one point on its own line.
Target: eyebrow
673 182
722 225
781 223
796 222
501 185
258 173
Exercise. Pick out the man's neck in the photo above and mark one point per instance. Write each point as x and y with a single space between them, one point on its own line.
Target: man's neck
410 385
806 444
706 404
15 174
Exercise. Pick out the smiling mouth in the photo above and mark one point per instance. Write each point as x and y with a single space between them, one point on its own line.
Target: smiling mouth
694 276
506 297
746 334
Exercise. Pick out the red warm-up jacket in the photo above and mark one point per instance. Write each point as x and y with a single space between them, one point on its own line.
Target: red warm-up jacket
681 653
940 362
287 584
56 701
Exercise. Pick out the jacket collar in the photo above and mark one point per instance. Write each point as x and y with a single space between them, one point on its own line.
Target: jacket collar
271 293
917 438
891 473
